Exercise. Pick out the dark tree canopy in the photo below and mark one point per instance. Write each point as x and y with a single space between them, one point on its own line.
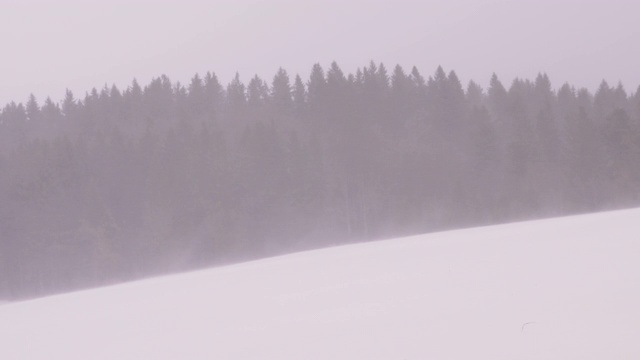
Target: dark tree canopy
121 184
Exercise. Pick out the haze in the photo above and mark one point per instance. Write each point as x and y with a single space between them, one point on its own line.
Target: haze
48 46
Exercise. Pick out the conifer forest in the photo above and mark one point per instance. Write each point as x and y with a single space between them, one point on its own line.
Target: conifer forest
123 184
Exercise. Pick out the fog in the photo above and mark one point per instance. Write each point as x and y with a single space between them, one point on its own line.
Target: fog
48 46
150 137
505 292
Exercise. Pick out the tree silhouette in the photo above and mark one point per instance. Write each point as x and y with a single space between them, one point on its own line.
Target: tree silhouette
119 185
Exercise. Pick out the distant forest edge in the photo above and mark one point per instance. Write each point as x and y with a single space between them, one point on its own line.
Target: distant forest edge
121 185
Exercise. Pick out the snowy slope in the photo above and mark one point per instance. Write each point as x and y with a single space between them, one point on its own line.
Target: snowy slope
566 288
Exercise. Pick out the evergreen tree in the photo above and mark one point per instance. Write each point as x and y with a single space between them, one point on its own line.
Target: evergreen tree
69 105
51 112
603 101
281 91
33 109
123 185
257 93
198 99
497 95
475 94
299 95
316 87
236 97
400 83
213 89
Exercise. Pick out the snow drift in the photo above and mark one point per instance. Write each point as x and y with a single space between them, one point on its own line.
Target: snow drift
566 288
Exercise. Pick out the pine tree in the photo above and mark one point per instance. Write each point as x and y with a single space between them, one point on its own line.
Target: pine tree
497 94
198 102
236 97
257 94
69 105
299 95
316 87
475 94
281 91
33 109
50 111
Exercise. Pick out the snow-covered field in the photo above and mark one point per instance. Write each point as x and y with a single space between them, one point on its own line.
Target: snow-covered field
566 288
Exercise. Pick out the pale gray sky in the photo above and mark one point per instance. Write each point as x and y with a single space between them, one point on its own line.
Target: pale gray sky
47 46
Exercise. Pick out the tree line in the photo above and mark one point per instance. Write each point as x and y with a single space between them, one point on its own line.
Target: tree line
124 184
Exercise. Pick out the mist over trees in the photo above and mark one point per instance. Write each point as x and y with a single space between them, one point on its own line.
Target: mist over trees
123 184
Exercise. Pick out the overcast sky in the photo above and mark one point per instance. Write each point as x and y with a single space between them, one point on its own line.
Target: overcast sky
47 46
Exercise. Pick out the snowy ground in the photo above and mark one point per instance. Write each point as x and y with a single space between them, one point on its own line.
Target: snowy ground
565 288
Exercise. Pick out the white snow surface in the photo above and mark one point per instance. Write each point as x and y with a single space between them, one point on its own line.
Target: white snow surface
564 288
